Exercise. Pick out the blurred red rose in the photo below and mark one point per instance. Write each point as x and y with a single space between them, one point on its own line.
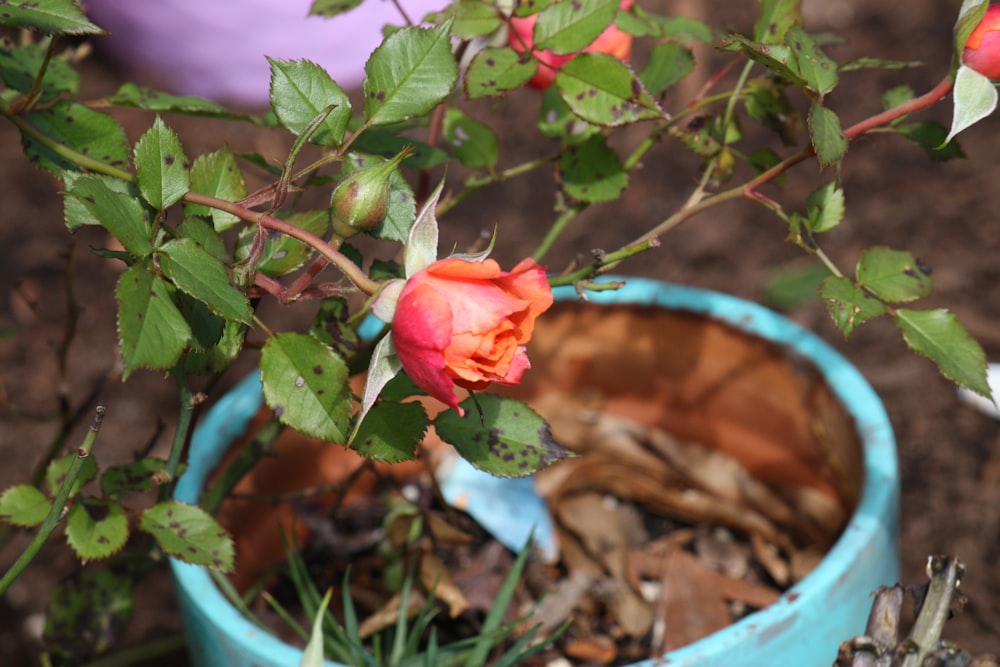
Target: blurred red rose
982 50
466 323
612 41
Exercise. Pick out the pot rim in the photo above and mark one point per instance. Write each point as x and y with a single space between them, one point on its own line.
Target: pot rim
228 419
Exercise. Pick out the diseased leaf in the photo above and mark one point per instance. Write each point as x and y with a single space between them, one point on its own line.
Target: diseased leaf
300 91
894 275
24 505
305 383
152 331
114 205
88 612
592 172
55 473
827 136
494 71
557 121
409 74
774 20
567 27
475 145
390 432
140 97
507 439
603 90
96 528
331 8
849 305
189 533
938 335
20 65
72 124
49 17
143 475
161 168
217 175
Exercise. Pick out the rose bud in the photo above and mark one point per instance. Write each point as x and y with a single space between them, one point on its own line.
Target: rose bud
982 50
465 323
361 201
612 41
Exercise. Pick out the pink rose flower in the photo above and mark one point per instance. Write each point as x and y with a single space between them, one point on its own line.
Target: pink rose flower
982 50
466 323
612 41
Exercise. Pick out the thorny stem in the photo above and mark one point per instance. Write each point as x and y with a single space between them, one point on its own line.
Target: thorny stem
603 262
58 503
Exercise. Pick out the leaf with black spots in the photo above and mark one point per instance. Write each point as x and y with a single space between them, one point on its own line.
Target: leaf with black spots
96 528
189 533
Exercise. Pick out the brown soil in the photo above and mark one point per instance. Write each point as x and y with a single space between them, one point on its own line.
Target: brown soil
943 213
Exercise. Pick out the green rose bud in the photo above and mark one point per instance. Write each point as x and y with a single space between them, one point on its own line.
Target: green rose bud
361 201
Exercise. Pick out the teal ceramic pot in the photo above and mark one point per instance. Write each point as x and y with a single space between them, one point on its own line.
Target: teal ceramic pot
812 391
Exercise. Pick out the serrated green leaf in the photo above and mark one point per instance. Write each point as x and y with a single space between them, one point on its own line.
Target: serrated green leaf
825 207
217 175
975 98
89 132
878 63
557 121
930 136
140 97
96 528
815 68
409 74
390 432
893 275
938 335
117 211
529 7
508 439
77 214
849 305
305 383
895 96
775 19
20 65
330 325
494 71
218 358
143 475
827 136
152 331
668 63
283 254
50 17
331 8
24 505
603 90
567 27
55 473
206 326
88 612
592 172
204 234
778 58
197 273
474 18
161 168
791 286
189 533
402 202
300 91
475 145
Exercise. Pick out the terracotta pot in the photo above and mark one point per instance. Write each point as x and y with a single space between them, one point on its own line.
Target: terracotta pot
708 367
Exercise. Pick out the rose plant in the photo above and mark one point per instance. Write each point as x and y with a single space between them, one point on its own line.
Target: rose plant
201 251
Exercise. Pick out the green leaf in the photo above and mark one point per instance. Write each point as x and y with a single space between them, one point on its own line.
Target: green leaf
88 132
557 121
118 212
930 136
827 136
331 8
825 207
189 533
20 65
474 18
421 246
300 91
96 528
330 325
475 145
55 473
409 74
50 17
789 287
494 71
938 335
878 63
88 612
383 367
206 326
217 175
893 97
775 20
390 432
283 254
567 27
143 475
218 358
849 305
305 383
508 439
161 168
815 68
893 275
778 58
204 234
24 505
668 63
603 90
151 329
77 212
197 273
402 202
975 98
140 97
592 172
